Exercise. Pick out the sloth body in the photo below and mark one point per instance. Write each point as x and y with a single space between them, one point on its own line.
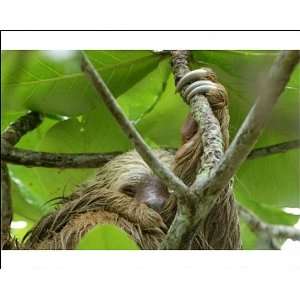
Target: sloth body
126 193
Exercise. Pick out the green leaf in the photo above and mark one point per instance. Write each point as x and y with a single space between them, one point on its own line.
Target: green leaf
106 237
22 202
143 96
272 180
54 84
162 124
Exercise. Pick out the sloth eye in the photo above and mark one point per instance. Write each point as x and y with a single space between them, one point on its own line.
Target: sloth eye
128 190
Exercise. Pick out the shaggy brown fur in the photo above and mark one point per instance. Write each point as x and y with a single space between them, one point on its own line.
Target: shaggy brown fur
99 201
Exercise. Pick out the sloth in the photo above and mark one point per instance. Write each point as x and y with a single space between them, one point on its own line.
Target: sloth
126 193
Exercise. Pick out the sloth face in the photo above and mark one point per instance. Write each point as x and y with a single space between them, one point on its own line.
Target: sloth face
130 175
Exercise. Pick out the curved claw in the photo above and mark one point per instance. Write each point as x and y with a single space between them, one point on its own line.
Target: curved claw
191 76
203 89
197 84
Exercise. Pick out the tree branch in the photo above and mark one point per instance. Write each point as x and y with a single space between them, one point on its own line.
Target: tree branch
180 234
277 231
250 130
11 136
274 149
54 160
21 126
211 135
30 158
142 148
6 206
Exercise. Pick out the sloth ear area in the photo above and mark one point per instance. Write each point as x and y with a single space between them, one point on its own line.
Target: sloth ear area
128 189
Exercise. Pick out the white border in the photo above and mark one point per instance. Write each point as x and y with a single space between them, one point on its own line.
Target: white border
154 14
150 275
157 40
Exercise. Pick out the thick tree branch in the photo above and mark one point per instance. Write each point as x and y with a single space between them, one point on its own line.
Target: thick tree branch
274 149
142 148
250 130
276 231
202 113
182 229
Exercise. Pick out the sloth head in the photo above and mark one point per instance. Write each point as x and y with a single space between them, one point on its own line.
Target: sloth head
130 175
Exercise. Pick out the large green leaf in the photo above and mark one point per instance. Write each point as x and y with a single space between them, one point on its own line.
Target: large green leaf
106 237
143 96
54 84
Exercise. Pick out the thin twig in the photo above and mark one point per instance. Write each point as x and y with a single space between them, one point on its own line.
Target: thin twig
274 149
276 231
142 148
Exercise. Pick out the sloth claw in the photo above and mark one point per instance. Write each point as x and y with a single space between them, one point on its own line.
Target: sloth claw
202 89
199 83
190 77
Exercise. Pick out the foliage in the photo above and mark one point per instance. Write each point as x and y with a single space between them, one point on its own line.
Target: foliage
76 121
106 237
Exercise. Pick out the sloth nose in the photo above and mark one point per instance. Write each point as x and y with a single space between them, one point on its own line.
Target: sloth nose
152 192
